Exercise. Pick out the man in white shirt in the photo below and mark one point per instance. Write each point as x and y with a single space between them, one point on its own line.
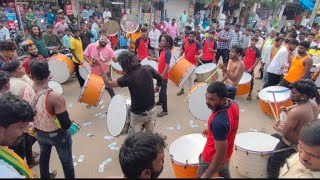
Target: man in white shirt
280 59
95 24
154 36
18 115
106 15
190 23
222 19
305 163
4 32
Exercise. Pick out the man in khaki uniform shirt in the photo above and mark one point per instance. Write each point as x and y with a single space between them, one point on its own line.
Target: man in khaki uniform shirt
305 163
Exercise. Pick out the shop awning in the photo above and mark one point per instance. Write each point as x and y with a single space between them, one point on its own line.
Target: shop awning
307 4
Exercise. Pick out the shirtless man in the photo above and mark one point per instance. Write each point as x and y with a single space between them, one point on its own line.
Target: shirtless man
234 71
304 111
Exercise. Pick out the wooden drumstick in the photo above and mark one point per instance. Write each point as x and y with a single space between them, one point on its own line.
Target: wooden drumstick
274 114
212 74
187 97
275 103
200 62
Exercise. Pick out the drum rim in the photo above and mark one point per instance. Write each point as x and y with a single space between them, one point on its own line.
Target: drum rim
272 101
248 82
58 84
191 69
236 147
70 73
86 68
189 103
84 87
126 103
202 65
151 62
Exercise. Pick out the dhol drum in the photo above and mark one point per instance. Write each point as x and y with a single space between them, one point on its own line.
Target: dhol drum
118 117
180 71
151 63
184 153
282 96
197 102
55 86
84 70
244 84
61 67
115 65
203 72
175 52
92 90
251 154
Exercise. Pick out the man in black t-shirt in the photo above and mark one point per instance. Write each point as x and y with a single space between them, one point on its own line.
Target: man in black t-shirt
139 80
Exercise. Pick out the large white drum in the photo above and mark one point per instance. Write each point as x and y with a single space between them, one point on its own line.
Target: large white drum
84 70
184 153
151 63
316 60
203 72
251 154
55 86
244 84
197 102
61 67
116 65
118 117
175 52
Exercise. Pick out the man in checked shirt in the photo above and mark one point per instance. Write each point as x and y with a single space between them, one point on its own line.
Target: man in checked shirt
224 38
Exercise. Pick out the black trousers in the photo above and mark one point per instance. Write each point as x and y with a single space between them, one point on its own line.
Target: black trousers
24 148
80 79
225 55
273 80
277 160
163 95
110 90
285 83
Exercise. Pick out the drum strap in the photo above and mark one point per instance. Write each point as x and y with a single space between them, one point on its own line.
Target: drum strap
284 149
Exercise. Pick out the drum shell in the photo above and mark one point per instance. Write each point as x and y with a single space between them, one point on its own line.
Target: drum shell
265 107
92 90
202 77
180 71
244 84
197 102
56 72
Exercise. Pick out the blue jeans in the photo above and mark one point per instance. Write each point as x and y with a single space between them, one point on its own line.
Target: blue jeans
163 95
232 92
63 143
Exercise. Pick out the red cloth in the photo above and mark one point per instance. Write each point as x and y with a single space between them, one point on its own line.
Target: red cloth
207 54
162 63
233 117
190 51
142 49
27 61
249 58
113 40
161 26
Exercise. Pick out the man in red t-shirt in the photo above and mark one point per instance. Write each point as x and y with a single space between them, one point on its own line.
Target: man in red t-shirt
209 49
251 58
192 51
222 129
161 26
32 50
142 45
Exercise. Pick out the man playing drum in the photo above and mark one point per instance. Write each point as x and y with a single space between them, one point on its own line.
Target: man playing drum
222 129
209 49
305 163
139 80
149 163
192 51
234 72
102 52
304 111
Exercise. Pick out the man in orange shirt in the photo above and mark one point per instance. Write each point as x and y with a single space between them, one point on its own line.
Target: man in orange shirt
300 66
133 37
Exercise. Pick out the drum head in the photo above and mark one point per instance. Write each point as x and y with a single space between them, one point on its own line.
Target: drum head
117 115
118 51
187 148
175 55
55 86
151 63
197 103
112 27
280 96
186 76
84 70
316 60
256 141
205 68
116 66
246 78
59 70
129 23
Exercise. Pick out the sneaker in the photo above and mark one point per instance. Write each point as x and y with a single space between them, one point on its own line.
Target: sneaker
162 114
158 103
53 174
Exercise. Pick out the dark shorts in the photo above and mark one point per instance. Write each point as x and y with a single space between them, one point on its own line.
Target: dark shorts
223 170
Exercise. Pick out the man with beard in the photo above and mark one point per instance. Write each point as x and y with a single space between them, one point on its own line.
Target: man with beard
15 117
303 112
300 65
51 122
192 51
8 50
142 156
287 38
222 129
74 24
234 72
305 163
32 50
139 80
224 38
77 55
282 57
36 38
142 45
52 40
103 53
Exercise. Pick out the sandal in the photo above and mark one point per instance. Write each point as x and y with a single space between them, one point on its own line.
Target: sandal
180 93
